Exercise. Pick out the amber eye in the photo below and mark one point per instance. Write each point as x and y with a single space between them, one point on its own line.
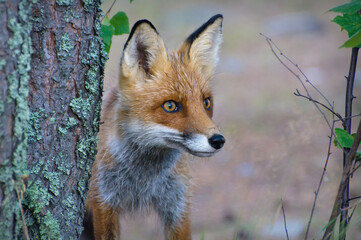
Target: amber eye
171 106
207 103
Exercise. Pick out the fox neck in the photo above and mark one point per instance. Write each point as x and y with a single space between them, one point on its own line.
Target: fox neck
152 160
139 172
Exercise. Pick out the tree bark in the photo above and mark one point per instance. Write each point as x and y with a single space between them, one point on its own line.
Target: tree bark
15 50
60 121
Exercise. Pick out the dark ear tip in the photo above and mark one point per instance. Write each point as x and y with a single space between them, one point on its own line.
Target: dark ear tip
140 22
196 33
136 25
215 17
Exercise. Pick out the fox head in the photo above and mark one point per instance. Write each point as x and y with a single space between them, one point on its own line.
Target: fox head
165 98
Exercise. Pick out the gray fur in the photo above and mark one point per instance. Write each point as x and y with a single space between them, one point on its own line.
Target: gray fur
143 175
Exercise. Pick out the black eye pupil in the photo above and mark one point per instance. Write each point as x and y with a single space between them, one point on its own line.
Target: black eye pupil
207 103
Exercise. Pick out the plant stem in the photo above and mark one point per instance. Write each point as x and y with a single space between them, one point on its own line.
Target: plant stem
347 127
336 210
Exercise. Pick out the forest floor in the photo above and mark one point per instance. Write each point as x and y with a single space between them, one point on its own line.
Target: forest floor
276 142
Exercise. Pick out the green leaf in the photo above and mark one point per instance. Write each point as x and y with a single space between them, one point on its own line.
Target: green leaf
106 33
120 23
131 1
107 47
106 21
350 22
344 138
348 8
353 41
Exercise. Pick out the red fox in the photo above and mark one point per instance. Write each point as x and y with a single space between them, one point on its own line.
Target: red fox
162 107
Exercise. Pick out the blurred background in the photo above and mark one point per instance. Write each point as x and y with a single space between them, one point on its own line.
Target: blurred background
276 142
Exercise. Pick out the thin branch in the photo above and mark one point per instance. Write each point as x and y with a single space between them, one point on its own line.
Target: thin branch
351 206
272 45
20 194
343 184
353 211
353 116
321 179
298 94
284 219
111 6
354 198
354 169
298 68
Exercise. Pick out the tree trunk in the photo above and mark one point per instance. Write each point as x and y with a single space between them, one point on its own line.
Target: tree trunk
15 50
64 100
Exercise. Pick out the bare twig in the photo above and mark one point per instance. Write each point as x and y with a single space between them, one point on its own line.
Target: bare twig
353 116
351 206
343 184
111 6
284 219
353 211
321 179
354 169
272 45
20 194
298 94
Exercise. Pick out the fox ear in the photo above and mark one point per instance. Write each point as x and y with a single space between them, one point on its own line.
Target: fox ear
202 46
143 50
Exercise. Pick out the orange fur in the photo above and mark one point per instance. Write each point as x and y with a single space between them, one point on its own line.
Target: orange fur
149 77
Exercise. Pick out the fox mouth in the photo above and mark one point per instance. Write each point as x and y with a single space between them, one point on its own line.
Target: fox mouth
201 154
187 145
193 152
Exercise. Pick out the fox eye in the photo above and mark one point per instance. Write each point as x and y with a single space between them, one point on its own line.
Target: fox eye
171 106
207 103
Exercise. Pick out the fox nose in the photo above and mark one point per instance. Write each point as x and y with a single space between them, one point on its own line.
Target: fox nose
217 141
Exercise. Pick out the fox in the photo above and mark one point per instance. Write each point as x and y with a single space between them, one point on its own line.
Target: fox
161 109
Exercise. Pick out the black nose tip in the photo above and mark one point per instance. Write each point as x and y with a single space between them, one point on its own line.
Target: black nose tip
217 141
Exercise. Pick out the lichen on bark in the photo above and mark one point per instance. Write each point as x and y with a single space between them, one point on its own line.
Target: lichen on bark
14 77
66 83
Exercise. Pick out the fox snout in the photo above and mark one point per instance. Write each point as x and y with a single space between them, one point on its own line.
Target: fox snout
200 145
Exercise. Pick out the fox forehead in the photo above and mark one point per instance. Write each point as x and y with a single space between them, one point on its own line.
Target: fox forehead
175 80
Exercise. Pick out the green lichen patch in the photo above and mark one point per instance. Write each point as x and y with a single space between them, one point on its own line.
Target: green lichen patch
64 46
49 227
92 83
2 63
82 107
62 163
2 109
87 146
88 5
52 120
33 129
71 210
64 2
72 122
37 198
62 130
54 181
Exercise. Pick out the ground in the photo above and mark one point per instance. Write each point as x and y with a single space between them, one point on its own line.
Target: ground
276 142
